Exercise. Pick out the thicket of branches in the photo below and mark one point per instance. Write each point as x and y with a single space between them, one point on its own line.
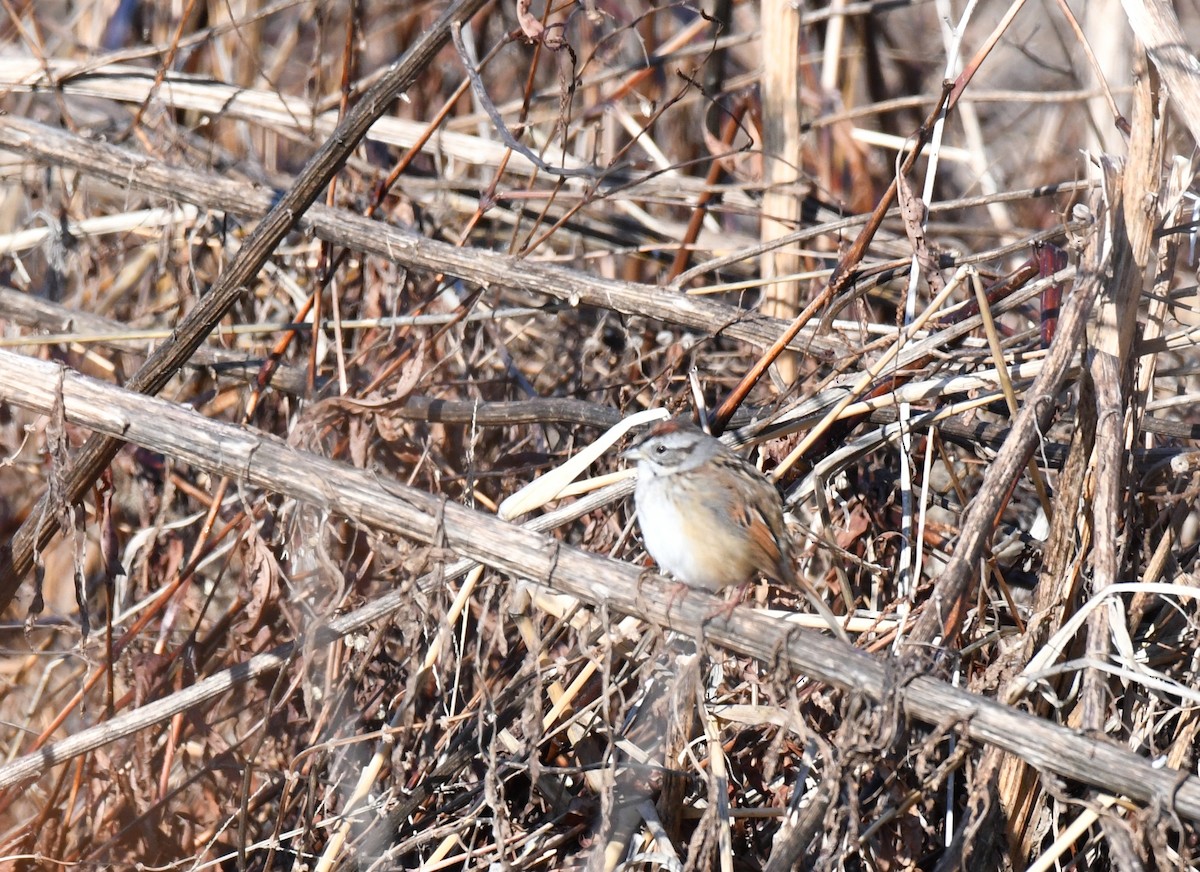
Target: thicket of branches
387 263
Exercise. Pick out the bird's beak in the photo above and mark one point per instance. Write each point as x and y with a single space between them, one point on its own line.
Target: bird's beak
634 453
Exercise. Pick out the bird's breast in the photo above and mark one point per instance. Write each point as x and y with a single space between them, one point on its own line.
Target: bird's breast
687 540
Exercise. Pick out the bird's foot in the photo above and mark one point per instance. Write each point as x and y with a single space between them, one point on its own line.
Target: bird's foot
725 611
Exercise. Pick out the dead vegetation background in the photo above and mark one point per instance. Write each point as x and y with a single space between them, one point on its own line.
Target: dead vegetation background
621 210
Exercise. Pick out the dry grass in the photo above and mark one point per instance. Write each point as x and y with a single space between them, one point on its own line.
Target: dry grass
239 656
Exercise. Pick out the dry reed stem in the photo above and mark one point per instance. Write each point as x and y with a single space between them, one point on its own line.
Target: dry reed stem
257 460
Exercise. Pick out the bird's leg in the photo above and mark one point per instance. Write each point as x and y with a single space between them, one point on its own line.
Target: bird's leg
725 612
676 592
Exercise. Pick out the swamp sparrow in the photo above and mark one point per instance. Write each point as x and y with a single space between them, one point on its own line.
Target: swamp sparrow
708 517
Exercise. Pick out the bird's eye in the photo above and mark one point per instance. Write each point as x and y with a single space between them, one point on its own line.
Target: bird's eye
660 449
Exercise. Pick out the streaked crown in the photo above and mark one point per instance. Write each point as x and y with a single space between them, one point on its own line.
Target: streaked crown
674 446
